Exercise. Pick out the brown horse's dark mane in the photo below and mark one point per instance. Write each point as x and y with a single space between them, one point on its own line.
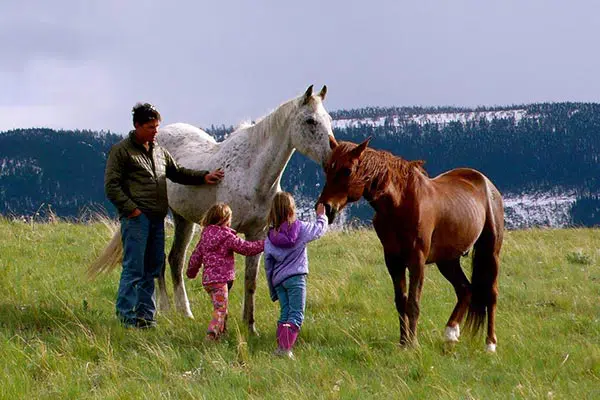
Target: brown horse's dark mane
382 168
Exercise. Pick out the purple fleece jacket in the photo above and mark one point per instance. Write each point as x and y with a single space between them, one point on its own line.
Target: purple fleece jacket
285 250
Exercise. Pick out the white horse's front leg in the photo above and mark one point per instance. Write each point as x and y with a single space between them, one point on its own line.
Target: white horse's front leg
181 300
249 290
183 233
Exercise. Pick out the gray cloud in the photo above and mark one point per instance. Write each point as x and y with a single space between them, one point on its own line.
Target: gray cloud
84 64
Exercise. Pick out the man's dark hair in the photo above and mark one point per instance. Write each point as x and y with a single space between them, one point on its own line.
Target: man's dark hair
145 112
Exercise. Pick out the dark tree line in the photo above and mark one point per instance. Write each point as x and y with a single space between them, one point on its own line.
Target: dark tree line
64 170
554 147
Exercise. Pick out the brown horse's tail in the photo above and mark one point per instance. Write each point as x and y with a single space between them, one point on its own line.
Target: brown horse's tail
486 262
110 257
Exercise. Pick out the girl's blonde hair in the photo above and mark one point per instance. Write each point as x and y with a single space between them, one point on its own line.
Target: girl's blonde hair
218 214
283 210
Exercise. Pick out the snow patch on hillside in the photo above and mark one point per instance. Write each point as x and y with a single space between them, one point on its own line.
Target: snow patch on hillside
540 209
431 118
22 166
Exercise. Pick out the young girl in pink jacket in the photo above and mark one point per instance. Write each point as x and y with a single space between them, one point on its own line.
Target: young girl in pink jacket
215 251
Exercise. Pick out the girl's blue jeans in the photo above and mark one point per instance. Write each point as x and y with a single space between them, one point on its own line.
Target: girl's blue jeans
143 260
292 299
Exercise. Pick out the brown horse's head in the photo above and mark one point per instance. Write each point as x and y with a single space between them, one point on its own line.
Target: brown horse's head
343 185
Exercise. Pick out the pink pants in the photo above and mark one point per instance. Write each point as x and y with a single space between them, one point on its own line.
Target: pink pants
219 295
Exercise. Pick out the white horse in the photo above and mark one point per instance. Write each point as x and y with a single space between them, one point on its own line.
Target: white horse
253 159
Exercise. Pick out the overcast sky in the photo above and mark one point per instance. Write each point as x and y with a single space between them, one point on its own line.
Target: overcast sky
84 63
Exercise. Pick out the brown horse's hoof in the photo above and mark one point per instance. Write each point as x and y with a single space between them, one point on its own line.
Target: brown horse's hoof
452 333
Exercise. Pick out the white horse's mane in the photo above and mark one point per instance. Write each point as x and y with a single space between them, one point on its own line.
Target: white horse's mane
243 125
270 122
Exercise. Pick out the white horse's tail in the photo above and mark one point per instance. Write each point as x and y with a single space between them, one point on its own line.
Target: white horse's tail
111 256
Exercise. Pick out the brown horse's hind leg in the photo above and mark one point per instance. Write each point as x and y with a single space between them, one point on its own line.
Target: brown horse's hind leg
452 271
397 269
416 274
484 287
491 340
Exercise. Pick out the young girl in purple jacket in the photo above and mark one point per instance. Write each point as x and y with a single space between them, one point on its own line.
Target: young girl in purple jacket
286 265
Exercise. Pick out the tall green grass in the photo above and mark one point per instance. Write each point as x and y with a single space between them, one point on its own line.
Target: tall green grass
60 338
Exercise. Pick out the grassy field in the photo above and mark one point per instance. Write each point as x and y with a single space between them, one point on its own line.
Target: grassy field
60 338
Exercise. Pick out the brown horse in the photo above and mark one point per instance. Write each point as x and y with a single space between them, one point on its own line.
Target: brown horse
420 221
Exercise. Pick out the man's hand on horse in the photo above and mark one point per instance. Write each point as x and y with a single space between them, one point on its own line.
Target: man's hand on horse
214 177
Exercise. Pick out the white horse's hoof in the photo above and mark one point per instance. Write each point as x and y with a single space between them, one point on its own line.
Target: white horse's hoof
452 334
253 331
185 311
490 347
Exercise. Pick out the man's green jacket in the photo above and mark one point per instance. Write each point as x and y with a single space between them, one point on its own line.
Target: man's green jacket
137 178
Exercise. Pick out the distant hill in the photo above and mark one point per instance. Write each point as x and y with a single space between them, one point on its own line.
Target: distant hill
543 157
44 169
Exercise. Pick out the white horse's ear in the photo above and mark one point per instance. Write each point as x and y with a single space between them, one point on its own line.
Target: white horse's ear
323 92
332 142
307 95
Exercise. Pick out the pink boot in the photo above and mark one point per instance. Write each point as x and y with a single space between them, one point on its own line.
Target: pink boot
278 335
287 335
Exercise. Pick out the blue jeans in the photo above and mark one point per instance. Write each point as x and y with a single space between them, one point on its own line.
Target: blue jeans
292 299
143 259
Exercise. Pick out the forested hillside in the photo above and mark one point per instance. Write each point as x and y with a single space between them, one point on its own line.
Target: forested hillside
44 169
549 149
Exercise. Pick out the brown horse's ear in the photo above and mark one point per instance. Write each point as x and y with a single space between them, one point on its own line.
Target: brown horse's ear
307 95
323 92
332 142
358 150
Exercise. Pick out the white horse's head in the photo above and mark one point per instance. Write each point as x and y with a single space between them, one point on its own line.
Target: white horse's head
310 128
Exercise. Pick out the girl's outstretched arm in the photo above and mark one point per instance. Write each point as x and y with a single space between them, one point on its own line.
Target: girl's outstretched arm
313 231
245 247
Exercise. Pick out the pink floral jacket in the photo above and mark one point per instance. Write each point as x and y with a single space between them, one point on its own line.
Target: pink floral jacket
215 250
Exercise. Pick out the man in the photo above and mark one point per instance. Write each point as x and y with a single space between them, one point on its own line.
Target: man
135 181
